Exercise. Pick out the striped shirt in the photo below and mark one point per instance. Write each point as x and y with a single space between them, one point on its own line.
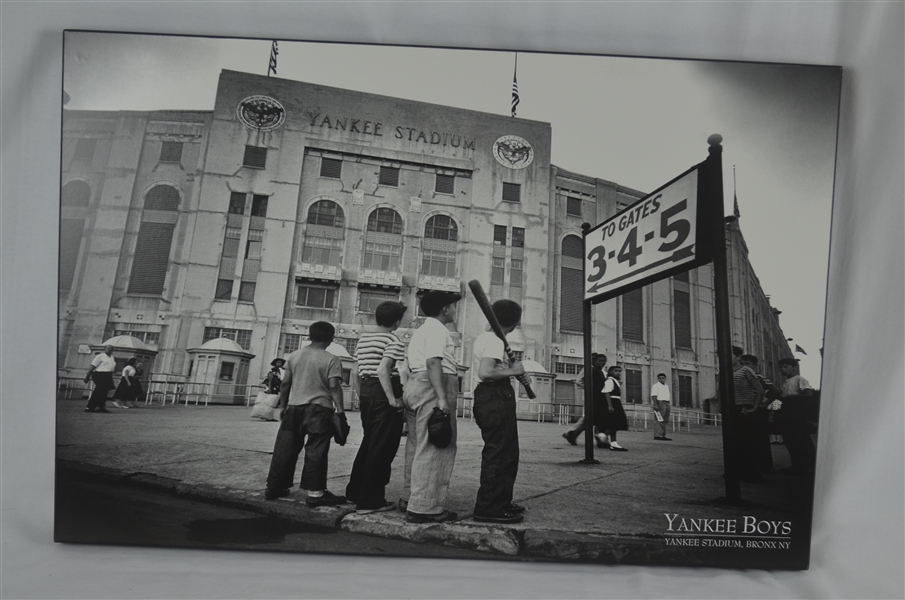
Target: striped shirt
373 347
743 381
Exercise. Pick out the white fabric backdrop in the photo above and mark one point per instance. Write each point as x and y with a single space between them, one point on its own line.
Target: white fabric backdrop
858 533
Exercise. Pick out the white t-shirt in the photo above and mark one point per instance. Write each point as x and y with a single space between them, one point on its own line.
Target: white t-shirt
128 371
103 363
793 386
487 345
431 340
661 391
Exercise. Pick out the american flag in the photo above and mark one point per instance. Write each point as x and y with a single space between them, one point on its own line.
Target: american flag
799 349
735 207
515 98
273 59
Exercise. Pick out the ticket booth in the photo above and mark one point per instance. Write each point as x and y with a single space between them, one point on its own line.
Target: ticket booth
542 381
219 373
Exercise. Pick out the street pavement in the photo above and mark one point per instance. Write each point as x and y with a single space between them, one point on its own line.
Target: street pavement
612 512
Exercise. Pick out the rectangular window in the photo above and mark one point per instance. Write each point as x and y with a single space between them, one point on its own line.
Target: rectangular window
632 391
348 343
84 149
572 293
573 207
322 251
255 157
247 291
291 342
686 399
499 235
381 257
515 273
682 318
237 203
446 184
311 296
151 338
226 371
258 206
331 167
512 192
170 152
518 237
253 249
633 315
438 263
240 336
498 271
224 289
683 276
389 176
369 300
566 368
519 355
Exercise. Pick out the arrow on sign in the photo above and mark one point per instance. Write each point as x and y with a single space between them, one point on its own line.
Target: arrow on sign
680 254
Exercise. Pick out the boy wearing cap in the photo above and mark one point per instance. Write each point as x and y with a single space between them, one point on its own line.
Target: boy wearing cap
380 395
494 412
432 383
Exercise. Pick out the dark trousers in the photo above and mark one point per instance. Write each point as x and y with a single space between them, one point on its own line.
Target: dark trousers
494 412
382 427
103 383
750 453
795 428
300 421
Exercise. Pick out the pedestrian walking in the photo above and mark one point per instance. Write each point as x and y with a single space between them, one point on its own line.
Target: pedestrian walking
494 413
571 436
380 396
101 373
660 398
274 378
611 418
433 384
310 394
129 388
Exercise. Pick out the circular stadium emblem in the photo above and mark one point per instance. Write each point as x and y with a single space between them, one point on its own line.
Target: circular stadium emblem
513 152
261 112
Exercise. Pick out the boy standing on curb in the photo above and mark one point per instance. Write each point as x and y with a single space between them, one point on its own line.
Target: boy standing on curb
494 412
432 384
380 394
310 393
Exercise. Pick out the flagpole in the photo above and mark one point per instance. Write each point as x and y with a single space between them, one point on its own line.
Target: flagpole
515 96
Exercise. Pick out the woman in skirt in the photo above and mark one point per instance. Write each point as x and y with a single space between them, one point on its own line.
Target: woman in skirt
129 388
613 417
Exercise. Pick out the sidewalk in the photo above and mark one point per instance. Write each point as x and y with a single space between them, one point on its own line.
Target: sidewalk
610 512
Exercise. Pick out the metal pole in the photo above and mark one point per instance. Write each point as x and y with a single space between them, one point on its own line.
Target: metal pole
712 182
588 375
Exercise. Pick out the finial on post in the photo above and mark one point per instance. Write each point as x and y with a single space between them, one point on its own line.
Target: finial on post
585 228
715 139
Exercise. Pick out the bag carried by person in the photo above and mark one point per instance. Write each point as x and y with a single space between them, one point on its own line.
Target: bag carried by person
266 407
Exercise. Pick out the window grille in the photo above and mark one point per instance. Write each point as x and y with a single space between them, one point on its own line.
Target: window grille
170 152
247 291
499 235
331 167
385 220
518 237
633 315
686 393
441 227
682 318
224 289
155 236
369 300
326 212
389 176
632 389
237 203
241 336
255 158
512 192
573 207
572 284
445 184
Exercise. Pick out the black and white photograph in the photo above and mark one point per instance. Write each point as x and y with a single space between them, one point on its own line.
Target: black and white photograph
452 300
283 264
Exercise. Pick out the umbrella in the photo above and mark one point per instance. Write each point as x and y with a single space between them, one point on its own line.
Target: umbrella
126 341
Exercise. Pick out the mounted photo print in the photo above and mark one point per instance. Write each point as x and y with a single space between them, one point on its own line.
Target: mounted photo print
441 302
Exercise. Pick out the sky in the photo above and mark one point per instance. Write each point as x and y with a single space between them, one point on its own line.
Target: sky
637 122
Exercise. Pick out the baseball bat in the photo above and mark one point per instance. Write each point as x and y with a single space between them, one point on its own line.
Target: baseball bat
487 309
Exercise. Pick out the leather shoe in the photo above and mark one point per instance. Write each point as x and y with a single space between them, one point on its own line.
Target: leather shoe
328 499
514 508
446 515
272 494
570 438
504 517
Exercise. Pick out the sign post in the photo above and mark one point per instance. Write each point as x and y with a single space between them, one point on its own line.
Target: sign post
676 228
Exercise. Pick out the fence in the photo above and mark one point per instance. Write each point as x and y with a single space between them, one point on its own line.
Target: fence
642 416
165 391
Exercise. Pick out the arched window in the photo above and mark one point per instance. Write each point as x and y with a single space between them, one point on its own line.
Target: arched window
572 284
75 193
323 242
155 236
383 241
439 249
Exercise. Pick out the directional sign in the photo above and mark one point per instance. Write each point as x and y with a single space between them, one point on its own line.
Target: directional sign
651 239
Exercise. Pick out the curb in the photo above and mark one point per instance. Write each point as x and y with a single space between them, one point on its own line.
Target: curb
512 541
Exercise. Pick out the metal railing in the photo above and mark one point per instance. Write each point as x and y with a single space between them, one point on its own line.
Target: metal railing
165 391
642 416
